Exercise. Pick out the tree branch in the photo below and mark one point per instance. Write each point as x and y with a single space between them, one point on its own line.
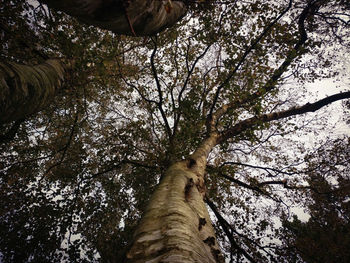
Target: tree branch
248 186
309 107
159 89
118 165
245 54
24 44
269 170
223 221
271 83
11 133
65 148
226 228
189 73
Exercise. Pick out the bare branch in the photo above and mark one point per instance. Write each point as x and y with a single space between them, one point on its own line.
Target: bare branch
223 221
159 88
267 169
226 227
309 107
248 186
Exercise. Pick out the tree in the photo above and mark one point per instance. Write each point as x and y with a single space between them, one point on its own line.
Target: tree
122 17
158 127
138 18
30 87
325 236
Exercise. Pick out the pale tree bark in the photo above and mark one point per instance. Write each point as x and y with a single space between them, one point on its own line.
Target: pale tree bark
128 17
25 90
176 226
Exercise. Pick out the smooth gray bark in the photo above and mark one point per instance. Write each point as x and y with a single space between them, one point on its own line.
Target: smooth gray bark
25 90
142 17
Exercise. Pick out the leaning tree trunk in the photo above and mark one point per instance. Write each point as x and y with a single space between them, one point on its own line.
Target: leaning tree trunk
25 90
176 226
128 17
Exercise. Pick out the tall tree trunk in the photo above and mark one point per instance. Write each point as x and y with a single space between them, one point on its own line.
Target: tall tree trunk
25 90
176 226
128 17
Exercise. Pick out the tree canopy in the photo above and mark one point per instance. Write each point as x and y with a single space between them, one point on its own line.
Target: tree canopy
325 236
223 93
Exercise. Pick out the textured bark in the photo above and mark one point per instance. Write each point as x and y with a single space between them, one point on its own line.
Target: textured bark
25 90
176 226
144 17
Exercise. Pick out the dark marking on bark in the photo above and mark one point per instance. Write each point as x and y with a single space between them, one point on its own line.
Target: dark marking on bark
210 241
202 223
188 187
217 255
201 185
190 163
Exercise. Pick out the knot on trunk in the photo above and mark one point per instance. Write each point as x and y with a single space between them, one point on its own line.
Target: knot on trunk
210 241
189 185
202 222
190 163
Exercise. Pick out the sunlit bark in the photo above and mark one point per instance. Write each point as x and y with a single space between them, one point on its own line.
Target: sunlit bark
135 17
25 90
